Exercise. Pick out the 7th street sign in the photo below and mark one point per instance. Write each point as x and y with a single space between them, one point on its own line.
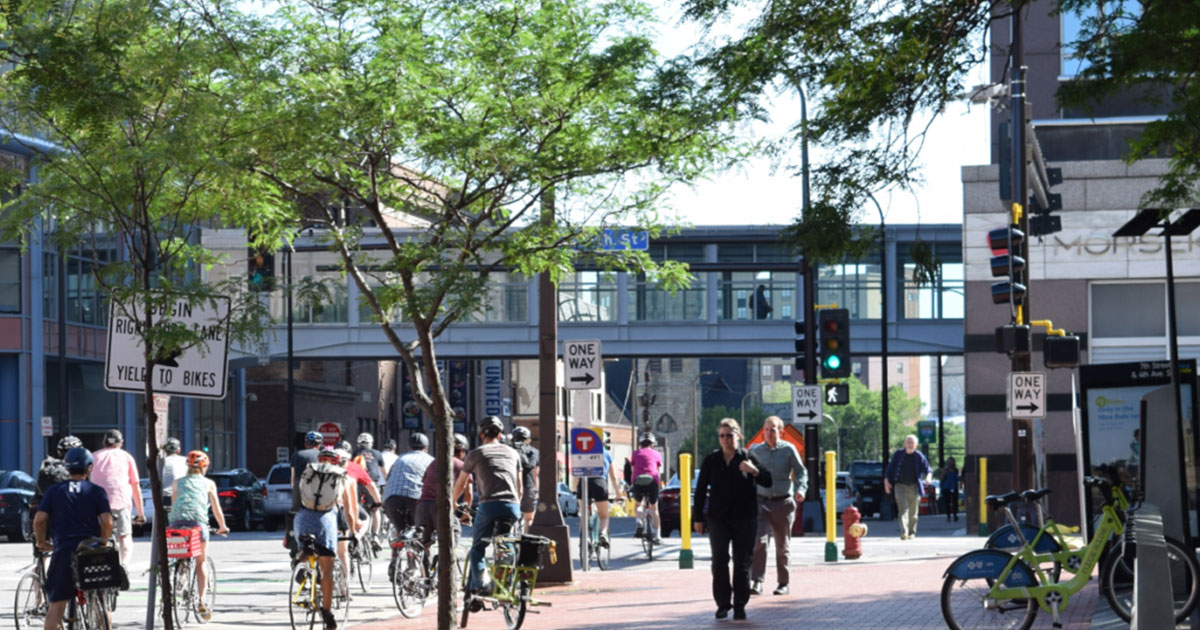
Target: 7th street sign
806 404
582 364
1027 395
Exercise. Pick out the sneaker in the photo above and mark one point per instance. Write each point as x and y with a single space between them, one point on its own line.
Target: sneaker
756 587
603 540
782 589
739 612
329 619
722 612
204 612
637 533
656 540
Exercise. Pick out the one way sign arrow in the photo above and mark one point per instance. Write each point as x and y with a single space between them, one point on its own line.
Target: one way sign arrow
586 379
1031 407
806 414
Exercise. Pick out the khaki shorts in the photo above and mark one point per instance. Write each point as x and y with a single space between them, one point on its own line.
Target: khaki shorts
122 523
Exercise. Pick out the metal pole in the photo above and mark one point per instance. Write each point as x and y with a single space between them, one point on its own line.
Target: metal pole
1022 471
585 516
64 393
941 416
696 418
291 385
1173 345
883 330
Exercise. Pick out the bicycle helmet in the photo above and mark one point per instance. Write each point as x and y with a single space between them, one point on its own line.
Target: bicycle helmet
418 442
520 434
343 456
344 445
313 438
328 454
113 437
491 426
78 459
648 440
68 443
460 442
197 459
171 446
366 439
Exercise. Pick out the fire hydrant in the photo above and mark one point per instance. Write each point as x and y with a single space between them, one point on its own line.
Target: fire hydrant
853 529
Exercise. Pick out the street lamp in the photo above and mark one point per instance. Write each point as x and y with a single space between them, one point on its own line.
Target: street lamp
883 328
696 416
748 394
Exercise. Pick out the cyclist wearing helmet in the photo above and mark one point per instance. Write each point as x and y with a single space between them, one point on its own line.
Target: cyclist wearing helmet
52 471
320 521
403 487
116 472
529 472
195 495
427 504
358 481
301 460
598 489
173 466
372 459
497 470
389 457
80 511
647 472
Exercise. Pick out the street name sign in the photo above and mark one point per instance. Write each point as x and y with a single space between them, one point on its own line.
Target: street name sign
1027 395
199 371
587 452
583 364
807 404
624 239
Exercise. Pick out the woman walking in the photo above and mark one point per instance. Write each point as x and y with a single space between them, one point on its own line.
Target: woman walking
949 487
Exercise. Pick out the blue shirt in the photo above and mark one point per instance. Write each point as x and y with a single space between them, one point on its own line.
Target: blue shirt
75 507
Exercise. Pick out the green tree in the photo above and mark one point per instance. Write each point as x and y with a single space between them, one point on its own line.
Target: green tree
855 430
123 106
709 419
505 135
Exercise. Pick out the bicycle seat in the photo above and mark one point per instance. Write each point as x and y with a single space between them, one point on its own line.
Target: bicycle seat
307 540
1001 500
1034 495
1098 482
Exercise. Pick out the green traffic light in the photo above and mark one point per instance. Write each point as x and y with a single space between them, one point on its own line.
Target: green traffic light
833 362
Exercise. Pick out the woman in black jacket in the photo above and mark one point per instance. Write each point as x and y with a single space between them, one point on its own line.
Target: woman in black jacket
726 506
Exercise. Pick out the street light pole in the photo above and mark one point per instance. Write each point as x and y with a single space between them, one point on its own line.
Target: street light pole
696 416
883 328
748 394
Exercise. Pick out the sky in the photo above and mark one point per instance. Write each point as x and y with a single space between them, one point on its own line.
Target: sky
753 194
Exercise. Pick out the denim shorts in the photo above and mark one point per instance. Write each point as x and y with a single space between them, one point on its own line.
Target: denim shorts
322 525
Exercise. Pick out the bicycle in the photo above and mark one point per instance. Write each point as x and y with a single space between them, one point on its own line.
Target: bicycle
414 570
600 551
982 587
361 556
304 600
183 545
31 602
513 567
646 526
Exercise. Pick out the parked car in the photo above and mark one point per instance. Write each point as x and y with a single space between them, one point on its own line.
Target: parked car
865 480
843 495
242 496
668 503
568 503
16 493
279 496
147 505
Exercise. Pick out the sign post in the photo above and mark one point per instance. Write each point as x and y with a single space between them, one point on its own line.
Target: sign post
1027 395
807 407
583 364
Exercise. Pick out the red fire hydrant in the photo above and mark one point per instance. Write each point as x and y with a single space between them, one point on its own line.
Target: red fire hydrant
853 529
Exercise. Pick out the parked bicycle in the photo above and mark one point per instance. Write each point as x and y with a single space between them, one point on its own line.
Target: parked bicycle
513 566
989 588
183 546
304 598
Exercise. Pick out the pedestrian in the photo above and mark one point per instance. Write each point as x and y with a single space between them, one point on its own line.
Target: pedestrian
726 507
116 472
403 488
173 466
949 486
529 472
777 504
907 474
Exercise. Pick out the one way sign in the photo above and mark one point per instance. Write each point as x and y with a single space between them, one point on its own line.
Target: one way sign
1027 395
582 364
806 404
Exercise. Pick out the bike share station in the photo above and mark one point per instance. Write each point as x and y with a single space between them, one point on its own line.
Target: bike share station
1131 431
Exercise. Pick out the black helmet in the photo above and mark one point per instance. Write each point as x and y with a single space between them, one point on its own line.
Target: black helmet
313 438
390 445
78 459
171 446
491 426
67 444
520 434
460 442
113 437
648 440
418 442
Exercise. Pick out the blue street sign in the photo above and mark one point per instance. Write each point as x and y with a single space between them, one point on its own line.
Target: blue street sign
587 453
623 239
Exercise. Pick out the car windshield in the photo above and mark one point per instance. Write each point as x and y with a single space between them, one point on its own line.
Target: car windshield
280 475
223 481
867 469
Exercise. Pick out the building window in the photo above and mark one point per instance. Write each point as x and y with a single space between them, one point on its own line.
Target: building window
852 285
767 371
654 366
676 366
214 427
50 286
10 281
506 299
591 296
749 295
1129 310
650 303
787 370
940 297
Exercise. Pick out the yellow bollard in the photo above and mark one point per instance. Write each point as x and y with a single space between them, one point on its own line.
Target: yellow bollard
983 527
685 510
830 506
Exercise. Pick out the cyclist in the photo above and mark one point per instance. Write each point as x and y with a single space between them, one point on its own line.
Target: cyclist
389 457
359 481
404 482
173 466
323 488
529 472
300 460
194 496
372 460
647 471
497 470
80 511
427 504
52 471
116 472
598 490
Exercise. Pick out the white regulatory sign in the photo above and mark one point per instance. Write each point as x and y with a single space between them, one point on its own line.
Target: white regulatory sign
199 371
47 426
583 364
807 404
1027 395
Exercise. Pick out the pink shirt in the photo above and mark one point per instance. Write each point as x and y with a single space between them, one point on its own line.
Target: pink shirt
116 472
646 461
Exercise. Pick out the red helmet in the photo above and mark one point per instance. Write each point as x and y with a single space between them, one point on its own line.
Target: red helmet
328 453
197 459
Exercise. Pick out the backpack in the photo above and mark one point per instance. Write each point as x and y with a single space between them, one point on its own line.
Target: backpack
53 471
321 486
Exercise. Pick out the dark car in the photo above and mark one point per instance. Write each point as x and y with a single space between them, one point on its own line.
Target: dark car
242 496
866 482
16 493
668 503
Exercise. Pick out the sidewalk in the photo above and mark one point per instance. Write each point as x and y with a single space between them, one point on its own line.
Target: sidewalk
895 585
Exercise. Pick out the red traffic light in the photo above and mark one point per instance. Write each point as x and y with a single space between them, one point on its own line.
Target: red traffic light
1003 239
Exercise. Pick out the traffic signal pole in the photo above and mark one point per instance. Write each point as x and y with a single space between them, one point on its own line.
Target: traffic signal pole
812 446
1022 428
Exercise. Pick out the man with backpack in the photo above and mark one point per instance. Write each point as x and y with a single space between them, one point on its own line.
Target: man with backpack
323 487
529 472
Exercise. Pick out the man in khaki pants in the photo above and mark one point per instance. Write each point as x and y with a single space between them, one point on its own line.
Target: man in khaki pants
777 503
907 473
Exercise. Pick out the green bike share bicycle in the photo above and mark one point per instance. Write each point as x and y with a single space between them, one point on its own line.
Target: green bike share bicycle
992 588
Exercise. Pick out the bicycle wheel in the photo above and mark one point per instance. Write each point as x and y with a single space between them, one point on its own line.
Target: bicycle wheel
183 583
410 589
210 591
362 570
30 602
1116 578
967 606
514 613
96 611
303 598
341 594
603 555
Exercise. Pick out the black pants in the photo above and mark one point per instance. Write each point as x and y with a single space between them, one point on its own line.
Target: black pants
951 498
401 510
721 534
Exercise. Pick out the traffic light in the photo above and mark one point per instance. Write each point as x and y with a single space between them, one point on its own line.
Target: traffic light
1004 242
1061 351
800 346
834 326
261 270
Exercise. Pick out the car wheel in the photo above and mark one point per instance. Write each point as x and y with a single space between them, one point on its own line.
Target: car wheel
271 523
24 531
244 522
